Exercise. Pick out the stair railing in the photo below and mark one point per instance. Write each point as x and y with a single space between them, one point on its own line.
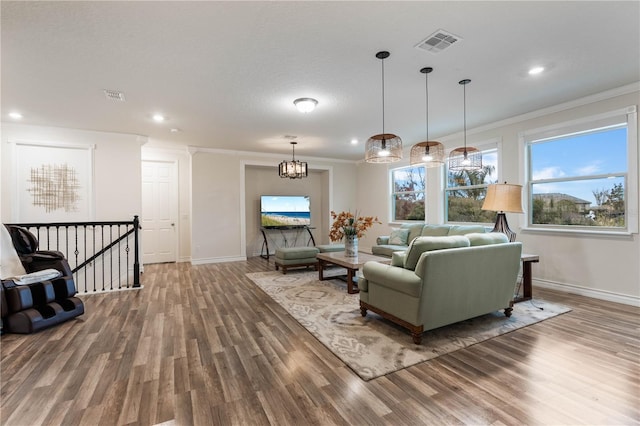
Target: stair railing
99 253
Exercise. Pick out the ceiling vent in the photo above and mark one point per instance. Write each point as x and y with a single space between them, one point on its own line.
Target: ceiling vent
114 95
438 41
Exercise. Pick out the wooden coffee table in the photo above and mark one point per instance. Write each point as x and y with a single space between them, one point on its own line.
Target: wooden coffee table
352 264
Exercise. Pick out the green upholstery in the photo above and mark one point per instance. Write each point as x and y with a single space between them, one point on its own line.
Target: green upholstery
383 246
486 238
422 244
293 253
448 285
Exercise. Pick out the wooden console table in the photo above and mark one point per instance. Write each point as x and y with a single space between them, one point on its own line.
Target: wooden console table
527 292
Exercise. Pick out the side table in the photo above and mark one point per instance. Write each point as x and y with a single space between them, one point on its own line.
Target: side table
527 292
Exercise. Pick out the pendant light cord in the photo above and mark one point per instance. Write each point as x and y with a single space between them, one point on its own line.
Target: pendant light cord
464 114
382 99
426 117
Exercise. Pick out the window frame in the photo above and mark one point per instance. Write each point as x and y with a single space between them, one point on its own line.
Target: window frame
585 125
392 194
490 145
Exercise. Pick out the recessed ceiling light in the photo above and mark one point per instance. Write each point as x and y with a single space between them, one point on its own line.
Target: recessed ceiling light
354 141
15 115
536 70
158 118
174 130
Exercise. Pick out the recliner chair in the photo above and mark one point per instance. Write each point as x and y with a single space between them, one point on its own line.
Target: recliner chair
32 307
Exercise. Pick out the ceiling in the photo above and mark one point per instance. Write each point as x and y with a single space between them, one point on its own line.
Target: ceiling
226 73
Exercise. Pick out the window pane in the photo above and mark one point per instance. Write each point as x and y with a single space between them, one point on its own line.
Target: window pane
488 174
595 153
591 202
409 206
408 179
465 205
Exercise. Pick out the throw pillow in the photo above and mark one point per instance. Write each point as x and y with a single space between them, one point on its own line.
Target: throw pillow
484 239
399 237
422 244
11 265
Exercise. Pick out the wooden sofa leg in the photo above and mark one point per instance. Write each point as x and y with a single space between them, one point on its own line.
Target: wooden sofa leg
507 312
363 311
416 334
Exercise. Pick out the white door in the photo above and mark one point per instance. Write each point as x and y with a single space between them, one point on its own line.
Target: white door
159 211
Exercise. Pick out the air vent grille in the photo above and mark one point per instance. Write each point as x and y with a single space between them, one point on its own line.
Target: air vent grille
438 41
114 95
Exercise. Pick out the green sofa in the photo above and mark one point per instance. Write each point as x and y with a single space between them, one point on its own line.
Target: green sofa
401 237
442 280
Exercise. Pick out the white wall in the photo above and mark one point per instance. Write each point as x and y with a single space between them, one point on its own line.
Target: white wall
604 266
225 184
116 180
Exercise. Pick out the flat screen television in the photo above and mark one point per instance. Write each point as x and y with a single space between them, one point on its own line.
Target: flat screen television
284 211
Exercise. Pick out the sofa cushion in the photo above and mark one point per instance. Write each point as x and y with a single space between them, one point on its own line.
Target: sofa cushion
483 239
399 236
397 258
465 229
387 250
422 244
415 229
435 230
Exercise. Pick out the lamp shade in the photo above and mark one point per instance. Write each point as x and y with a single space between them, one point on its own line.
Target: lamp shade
429 153
503 197
383 148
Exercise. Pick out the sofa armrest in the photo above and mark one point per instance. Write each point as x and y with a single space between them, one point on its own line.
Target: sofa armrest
382 240
393 277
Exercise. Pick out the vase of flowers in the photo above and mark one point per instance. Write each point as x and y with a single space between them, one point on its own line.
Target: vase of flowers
350 227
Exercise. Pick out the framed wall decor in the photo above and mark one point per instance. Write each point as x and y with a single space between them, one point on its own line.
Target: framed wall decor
54 182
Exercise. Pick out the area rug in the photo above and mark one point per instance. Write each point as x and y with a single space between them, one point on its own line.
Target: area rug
372 346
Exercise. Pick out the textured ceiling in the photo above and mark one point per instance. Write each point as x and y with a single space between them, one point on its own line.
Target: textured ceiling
226 73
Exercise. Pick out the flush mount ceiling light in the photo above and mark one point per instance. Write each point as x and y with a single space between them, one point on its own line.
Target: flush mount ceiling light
429 153
305 105
536 70
158 118
385 147
15 115
465 158
293 169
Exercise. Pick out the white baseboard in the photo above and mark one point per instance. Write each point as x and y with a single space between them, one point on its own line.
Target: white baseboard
223 259
589 292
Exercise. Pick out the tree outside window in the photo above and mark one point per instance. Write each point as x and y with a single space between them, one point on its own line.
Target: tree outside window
408 193
575 182
466 190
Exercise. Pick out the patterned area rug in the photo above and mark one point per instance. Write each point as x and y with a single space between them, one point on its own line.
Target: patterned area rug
373 346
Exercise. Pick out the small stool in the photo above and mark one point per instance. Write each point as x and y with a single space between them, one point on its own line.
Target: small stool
325 248
292 257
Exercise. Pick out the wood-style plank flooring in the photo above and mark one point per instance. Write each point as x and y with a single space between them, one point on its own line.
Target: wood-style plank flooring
203 345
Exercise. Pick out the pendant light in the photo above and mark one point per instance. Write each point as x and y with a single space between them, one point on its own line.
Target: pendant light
465 158
385 147
429 153
293 169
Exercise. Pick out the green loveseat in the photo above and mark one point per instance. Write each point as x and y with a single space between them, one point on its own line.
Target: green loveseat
401 237
442 280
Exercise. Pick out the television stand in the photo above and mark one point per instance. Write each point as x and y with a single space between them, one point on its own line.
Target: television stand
290 236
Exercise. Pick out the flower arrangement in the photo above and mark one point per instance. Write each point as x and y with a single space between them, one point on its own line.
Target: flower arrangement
349 224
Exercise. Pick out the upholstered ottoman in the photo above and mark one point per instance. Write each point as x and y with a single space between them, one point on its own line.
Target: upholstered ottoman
326 248
292 257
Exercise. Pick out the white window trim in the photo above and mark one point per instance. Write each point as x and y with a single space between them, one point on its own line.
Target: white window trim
572 126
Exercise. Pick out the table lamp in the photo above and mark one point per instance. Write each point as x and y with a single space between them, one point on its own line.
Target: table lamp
501 198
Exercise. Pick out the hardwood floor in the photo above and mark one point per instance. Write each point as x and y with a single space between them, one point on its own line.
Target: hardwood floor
204 345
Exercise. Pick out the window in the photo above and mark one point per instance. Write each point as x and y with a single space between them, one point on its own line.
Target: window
578 175
465 191
407 193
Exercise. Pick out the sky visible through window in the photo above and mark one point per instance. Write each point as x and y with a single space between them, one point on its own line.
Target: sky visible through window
591 154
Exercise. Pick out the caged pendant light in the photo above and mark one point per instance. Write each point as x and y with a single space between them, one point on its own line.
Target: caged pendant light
429 153
293 169
465 158
385 147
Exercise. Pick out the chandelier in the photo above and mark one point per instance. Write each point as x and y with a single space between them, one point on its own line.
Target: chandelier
293 169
